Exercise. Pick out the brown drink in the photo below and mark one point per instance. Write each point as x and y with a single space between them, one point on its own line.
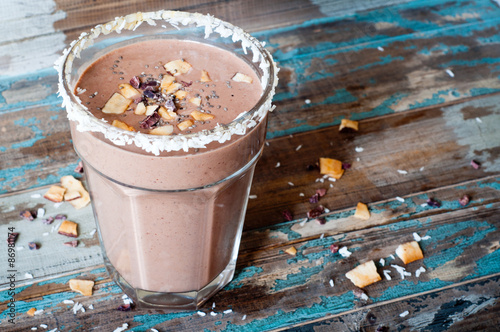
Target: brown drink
170 202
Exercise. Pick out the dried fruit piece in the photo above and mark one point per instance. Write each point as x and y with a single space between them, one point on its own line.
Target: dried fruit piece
163 130
117 104
68 228
167 114
33 246
409 252
177 67
48 221
239 77
362 211
331 167
205 77
364 274
127 91
321 192
81 286
291 251
464 200
475 164
346 123
185 125
72 184
28 215
55 194
31 312
201 116
122 125
287 215
72 244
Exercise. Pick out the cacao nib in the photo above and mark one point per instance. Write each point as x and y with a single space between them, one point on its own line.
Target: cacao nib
311 167
150 121
475 164
79 167
316 212
186 84
150 94
61 217
346 165
334 248
287 215
382 328
28 215
33 246
464 200
433 203
73 243
11 239
321 192
314 198
135 82
125 307
150 85
170 105
48 220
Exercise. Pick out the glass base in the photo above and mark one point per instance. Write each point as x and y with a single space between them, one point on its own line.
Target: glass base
192 300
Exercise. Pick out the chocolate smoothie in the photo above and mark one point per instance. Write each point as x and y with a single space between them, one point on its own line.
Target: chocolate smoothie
170 241
169 118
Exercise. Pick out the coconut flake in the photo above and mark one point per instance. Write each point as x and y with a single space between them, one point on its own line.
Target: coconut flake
449 72
201 313
387 275
404 314
401 270
419 271
121 328
401 199
228 311
344 252
331 283
416 237
382 261
402 171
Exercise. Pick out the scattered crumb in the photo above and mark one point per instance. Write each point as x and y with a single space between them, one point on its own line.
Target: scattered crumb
331 283
344 252
419 271
417 237
401 199
401 270
404 314
409 252
402 171
359 149
122 328
201 313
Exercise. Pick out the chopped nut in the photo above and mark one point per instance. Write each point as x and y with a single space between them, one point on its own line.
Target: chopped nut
117 104
31 312
185 125
205 77
81 286
68 228
345 123
291 251
362 211
150 109
55 194
331 167
122 125
239 77
163 130
364 274
409 252
127 91
177 67
72 184
200 116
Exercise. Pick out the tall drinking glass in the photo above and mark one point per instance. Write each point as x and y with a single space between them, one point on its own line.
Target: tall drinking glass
169 208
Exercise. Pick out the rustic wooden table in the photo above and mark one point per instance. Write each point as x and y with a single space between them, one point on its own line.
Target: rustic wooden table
423 80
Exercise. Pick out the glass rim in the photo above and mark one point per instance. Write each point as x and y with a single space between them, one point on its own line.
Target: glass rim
156 144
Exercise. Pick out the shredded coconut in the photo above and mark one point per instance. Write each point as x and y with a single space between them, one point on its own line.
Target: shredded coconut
228 311
359 149
277 164
479 120
401 199
244 317
201 313
387 275
402 171
427 237
401 270
121 328
449 72
28 275
252 196
382 261
380 48
298 147
417 237
419 271
290 184
69 302
404 314
331 283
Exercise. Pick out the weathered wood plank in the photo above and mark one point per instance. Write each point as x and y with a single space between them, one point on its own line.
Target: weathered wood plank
462 246
471 306
346 76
